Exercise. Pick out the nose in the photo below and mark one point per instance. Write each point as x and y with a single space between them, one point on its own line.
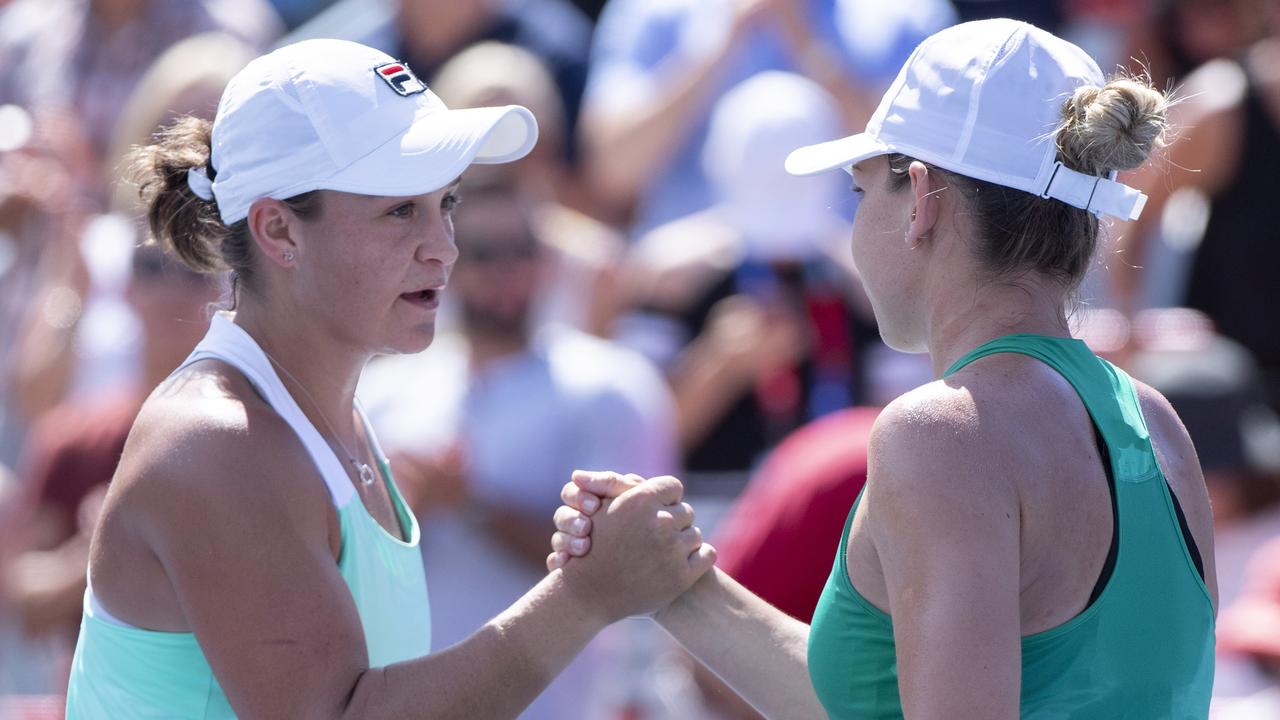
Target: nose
437 241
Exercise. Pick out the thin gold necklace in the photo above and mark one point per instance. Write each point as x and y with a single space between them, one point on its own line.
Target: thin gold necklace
363 470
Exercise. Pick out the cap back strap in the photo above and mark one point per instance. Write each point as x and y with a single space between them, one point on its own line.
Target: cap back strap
1096 194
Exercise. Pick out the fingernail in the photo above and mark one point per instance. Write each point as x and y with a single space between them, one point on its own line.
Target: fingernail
590 504
579 544
579 525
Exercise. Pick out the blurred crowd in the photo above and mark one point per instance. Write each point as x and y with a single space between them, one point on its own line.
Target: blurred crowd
650 261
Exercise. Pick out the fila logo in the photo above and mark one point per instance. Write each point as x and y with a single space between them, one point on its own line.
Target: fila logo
400 78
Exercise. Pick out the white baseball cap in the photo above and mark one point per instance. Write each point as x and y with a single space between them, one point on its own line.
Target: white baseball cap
984 99
337 115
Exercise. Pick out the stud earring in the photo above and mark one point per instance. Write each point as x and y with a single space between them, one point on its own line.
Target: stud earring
288 256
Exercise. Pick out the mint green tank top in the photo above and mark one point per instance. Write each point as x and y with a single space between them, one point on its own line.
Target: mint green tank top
1143 649
125 672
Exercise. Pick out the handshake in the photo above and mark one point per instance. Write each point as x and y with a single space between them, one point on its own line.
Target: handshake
627 545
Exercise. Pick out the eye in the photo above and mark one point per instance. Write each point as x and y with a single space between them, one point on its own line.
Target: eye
857 191
404 210
450 202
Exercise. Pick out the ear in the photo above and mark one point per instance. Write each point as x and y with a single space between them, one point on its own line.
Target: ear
273 227
925 187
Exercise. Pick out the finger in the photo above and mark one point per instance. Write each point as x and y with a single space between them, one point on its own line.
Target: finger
575 546
579 499
570 521
702 559
681 515
667 489
690 538
556 560
603 484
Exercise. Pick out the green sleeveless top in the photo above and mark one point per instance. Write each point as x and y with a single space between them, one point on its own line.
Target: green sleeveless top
1142 649
120 671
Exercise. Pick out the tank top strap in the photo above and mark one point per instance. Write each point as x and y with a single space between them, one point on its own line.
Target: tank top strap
229 343
1106 391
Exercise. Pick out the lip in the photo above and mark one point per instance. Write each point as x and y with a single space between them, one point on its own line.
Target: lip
427 298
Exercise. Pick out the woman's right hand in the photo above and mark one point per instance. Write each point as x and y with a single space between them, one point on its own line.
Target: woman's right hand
644 550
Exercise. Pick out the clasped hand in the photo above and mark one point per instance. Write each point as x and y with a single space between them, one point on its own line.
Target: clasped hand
627 543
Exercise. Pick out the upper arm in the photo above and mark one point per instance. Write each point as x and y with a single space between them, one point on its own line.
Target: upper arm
239 525
946 526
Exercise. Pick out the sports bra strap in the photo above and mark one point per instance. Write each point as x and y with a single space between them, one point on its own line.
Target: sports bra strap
229 343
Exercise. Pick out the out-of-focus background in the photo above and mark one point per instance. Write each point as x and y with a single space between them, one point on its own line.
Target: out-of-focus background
650 263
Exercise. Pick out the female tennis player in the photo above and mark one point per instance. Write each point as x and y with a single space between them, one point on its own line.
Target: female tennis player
254 557
1034 537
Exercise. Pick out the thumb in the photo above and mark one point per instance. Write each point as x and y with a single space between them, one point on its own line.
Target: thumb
604 484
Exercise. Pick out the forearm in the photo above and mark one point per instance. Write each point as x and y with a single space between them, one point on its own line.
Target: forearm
705 385
495 673
627 149
760 651
821 63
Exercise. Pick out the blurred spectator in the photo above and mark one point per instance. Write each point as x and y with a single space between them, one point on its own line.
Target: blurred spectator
1230 112
1178 36
1046 14
85 56
485 427
427 33
43 276
74 333
296 12
186 79
583 254
751 306
1249 629
659 67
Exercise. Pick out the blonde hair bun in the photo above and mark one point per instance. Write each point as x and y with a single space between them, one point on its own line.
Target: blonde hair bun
1113 127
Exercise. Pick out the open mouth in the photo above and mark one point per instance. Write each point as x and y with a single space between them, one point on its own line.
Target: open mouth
429 297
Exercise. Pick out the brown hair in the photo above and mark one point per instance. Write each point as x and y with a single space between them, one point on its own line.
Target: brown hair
1114 127
180 221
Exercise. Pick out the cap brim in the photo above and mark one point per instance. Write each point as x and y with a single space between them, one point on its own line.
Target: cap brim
843 153
437 148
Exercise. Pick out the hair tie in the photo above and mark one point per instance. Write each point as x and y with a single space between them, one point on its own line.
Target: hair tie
199 182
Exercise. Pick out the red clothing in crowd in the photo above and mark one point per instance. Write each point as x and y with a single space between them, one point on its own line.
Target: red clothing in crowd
780 538
73 449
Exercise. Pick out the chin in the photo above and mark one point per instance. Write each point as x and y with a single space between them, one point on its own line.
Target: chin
410 342
898 339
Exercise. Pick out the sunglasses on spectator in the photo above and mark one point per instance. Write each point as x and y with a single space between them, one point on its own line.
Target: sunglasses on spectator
487 253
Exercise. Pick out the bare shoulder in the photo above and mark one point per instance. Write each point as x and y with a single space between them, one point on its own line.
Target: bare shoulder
205 441
1166 428
936 445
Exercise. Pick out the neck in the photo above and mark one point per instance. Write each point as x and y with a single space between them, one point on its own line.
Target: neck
965 318
318 372
487 348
